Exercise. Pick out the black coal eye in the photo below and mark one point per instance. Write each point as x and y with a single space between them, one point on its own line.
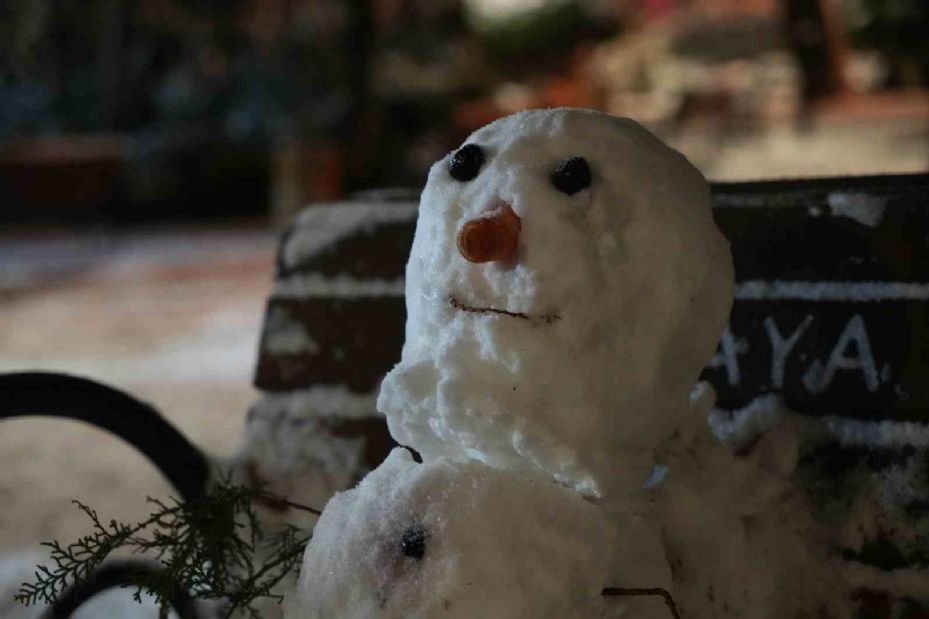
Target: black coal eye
413 542
571 175
466 163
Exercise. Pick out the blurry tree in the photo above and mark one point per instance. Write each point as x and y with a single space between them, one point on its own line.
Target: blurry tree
818 44
899 30
205 88
423 61
26 94
219 98
536 37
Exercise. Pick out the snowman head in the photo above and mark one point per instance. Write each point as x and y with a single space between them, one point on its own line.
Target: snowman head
565 287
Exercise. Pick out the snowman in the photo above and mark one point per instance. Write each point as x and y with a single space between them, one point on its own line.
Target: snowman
565 287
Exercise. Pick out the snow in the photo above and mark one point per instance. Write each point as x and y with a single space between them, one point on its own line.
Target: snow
655 477
330 400
739 533
740 428
219 348
878 434
631 276
320 227
307 286
288 444
456 540
866 209
860 292
291 442
286 335
784 522
294 447
291 447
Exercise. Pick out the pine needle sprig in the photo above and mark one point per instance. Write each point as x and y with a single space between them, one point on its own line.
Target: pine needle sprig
76 561
214 547
285 551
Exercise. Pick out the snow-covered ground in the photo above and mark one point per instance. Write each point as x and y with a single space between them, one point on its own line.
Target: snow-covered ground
171 316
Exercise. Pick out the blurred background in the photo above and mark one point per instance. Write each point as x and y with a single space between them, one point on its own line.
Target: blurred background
150 149
140 110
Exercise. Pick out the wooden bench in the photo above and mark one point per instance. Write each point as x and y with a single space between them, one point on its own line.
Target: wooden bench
831 321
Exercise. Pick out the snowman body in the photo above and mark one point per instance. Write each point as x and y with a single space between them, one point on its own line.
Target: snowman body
455 539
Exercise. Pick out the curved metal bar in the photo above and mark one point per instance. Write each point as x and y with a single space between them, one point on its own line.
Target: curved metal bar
116 574
137 423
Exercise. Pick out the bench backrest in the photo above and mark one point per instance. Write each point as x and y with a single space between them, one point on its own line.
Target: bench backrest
831 311
831 320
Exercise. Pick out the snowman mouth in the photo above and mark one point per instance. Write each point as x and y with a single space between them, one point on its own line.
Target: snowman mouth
546 318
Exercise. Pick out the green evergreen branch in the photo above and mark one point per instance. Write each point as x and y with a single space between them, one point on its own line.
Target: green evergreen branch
76 561
208 547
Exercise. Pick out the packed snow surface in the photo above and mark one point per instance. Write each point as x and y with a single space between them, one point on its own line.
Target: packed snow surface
574 358
741 535
455 540
290 445
863 208
739 429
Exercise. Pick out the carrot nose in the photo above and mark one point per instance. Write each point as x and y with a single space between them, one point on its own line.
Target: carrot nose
492 238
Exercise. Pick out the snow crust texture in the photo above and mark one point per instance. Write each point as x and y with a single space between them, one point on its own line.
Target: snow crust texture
574 359
296 445
772 514
319 228
454 540
740 536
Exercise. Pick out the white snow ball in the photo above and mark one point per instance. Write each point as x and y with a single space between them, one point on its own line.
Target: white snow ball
565 287
454 540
